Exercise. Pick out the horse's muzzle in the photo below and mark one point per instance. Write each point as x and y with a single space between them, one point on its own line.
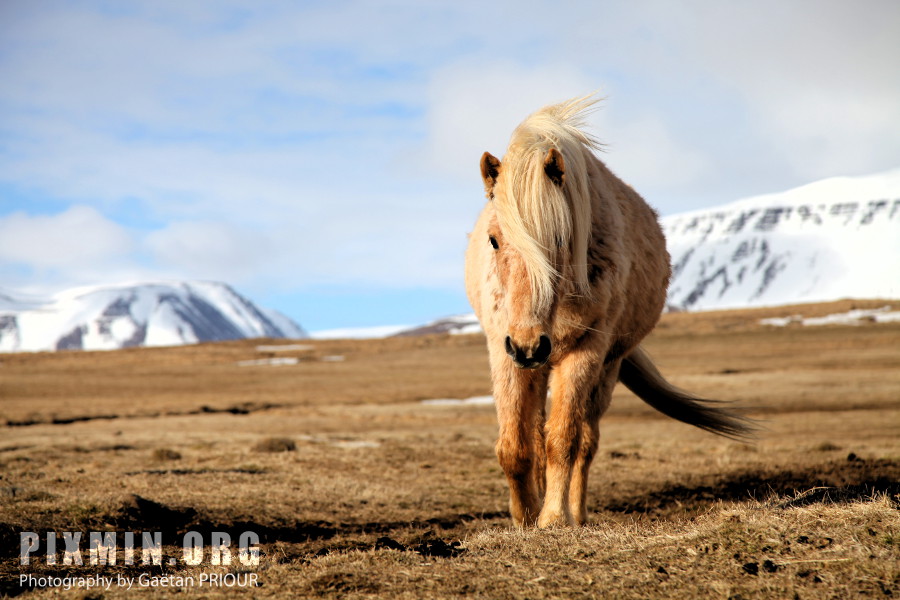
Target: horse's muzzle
530 358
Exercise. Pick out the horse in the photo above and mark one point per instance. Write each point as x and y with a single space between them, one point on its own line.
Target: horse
567 270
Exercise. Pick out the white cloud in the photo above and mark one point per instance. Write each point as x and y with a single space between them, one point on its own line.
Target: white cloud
474 105
818 78
644 149
77 238
211 250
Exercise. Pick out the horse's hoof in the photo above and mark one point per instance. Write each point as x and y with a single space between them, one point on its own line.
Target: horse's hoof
547 520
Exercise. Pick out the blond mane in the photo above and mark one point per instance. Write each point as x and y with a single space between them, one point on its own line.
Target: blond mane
538 217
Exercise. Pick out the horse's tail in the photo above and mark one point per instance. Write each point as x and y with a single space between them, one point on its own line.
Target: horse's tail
641 376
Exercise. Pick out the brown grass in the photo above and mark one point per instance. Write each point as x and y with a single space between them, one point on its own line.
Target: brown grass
385 497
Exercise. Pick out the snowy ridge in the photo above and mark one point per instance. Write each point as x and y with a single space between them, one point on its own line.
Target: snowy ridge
831 239
358 333
455 325
143 314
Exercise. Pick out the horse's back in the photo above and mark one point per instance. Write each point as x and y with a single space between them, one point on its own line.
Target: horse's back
624 220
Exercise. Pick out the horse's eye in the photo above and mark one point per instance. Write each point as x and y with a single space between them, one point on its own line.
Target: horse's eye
494 243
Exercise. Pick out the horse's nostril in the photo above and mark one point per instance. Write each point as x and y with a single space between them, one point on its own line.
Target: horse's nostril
543 350
509 347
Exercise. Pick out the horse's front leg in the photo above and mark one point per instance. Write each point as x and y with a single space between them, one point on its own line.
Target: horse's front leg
598 401
574 378
520 395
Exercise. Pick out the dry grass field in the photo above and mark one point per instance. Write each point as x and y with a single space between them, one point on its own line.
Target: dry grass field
357 489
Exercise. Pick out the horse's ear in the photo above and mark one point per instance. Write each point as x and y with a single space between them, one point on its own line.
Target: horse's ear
490 169
555 167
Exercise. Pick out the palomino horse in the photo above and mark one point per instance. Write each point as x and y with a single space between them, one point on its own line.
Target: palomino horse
567 271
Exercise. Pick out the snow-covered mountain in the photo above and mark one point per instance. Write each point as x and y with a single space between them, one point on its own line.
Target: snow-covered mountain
836 238
144 314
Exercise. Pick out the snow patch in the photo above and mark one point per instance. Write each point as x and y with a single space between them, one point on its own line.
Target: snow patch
343 442
285 348
473 401
354 444
282 361
853 317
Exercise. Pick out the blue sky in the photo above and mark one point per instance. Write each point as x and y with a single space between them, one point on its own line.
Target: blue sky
322 157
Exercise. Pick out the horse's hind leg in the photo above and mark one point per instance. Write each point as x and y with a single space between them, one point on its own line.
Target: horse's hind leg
597 403
519 396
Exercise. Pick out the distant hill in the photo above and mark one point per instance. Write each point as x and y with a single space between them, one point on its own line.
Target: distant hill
142 314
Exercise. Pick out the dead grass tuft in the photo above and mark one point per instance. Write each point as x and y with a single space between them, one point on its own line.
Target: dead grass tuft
166 454
275 444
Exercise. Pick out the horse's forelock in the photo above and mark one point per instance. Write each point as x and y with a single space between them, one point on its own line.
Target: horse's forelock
538 216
